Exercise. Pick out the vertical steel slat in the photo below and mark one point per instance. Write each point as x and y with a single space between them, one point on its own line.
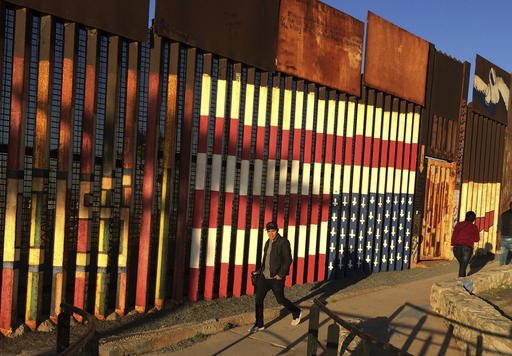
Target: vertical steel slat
340 242
375 182
254 184
240 188
185 154
107 187
305 194
86 173
412 185
169 149
148 186
401 184
230 213
369 180
347 232
285 156
404 190
294 161
391 124
40 179
129 152
63 189
383 104
316 182
197 248
327 198
15 166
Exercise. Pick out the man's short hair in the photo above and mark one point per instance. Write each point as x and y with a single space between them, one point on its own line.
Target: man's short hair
470 216
271 226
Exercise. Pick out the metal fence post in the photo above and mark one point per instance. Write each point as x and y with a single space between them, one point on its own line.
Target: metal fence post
314 320
333 338
63 331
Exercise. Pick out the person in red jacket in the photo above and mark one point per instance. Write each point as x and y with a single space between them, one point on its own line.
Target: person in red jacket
465 234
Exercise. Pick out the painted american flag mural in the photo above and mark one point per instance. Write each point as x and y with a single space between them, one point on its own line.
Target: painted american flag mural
336 172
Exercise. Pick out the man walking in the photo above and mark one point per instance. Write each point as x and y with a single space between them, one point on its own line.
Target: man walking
465 234
277 258
505 227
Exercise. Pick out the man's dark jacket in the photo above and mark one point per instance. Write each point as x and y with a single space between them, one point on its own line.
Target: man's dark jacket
280 257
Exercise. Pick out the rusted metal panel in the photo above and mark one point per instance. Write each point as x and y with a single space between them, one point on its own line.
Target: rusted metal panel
127 18
438 210
395 60
491 88
321 44
506 182
448 79
243 30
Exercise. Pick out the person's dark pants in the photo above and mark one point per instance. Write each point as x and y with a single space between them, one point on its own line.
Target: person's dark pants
277 286
463 255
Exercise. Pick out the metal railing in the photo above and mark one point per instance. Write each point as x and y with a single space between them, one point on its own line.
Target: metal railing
88 342
333 333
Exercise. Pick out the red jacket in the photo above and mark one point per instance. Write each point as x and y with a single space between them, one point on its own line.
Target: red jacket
465 233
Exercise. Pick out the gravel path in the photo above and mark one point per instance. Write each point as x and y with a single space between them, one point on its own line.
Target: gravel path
205 310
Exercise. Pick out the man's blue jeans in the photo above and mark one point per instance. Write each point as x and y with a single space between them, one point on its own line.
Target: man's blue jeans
506 248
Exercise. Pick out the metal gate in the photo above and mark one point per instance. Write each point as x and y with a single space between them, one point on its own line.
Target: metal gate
437 221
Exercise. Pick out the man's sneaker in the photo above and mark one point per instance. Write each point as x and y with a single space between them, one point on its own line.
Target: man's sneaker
256 328
296 321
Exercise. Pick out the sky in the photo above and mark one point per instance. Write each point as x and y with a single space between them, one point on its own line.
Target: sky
459 28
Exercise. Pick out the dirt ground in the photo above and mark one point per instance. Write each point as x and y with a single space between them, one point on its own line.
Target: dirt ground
205 310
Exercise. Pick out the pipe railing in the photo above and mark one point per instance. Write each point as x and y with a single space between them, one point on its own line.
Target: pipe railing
87 344
333 333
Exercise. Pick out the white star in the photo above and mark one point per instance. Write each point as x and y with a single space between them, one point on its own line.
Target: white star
352 235
343 217
353 218
407 233
345 201
395 201
384 259
354 201
360 249
333 232
342 233
334 217
406 260
368 245
372 199
402 201
409 216
362 221
377 234
409 201
387 214
386 229
406 246
335 202
341 249
394 216
400 227
399 239
398 257
376 262
392 245
349 264
388 200
370 216
361 234
332 248
380 202
385 243
368 259
330 266
378 218
370 231
402 213
363 203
